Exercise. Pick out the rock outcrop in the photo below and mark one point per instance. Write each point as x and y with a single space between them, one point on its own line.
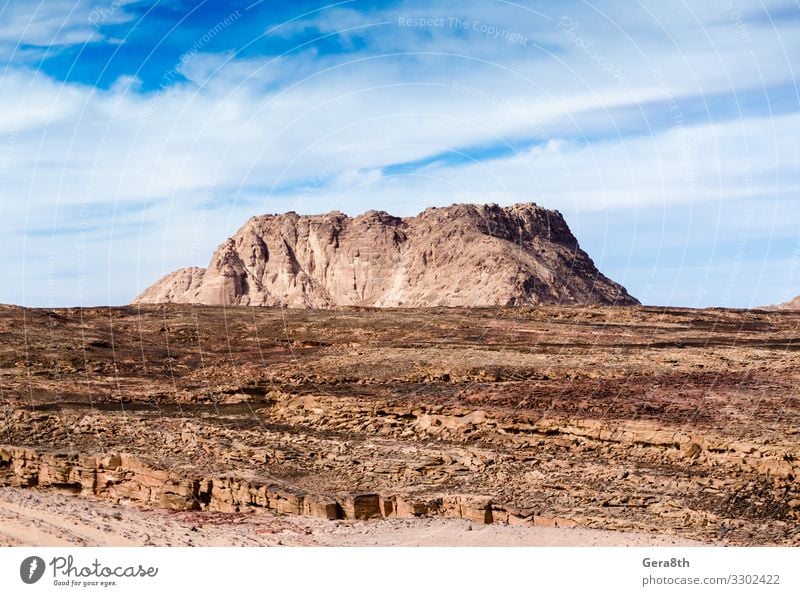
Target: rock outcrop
463 255
121 477
793 304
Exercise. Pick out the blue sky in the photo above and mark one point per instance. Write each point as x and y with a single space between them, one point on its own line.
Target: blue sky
136 136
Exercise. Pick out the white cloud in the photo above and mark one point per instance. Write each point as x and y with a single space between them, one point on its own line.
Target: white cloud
51 23
250 128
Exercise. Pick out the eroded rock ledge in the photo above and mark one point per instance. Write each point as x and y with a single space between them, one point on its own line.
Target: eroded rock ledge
122 477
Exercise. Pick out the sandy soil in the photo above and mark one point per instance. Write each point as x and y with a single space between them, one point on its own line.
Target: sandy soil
34 518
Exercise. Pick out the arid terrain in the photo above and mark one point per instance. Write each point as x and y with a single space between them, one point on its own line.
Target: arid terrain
353 425
38 518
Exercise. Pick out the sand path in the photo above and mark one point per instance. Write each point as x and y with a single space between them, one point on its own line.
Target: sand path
33 518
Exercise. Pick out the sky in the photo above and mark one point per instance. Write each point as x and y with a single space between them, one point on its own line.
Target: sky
135 137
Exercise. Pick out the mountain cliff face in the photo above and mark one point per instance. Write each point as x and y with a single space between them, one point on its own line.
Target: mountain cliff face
463 255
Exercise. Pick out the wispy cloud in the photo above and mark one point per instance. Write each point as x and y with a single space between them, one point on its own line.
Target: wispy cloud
48 24
636 109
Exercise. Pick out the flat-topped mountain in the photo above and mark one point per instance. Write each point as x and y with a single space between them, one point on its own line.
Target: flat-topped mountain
462 255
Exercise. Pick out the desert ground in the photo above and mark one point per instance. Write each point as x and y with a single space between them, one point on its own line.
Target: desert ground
37 518
507 426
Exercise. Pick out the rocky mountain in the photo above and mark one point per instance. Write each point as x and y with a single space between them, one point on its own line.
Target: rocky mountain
793 304
462 255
